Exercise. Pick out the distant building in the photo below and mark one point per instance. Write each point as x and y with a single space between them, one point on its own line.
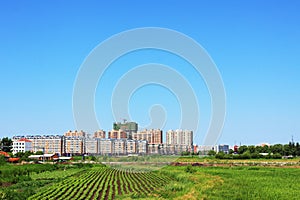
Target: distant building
235 148
47 143
204 149
180 137
90 145
152 136
153 148
117 134
195 149
131 146
99 134
74 145
223 148
105 146
22 145
75 133
119 147
141 147
128 127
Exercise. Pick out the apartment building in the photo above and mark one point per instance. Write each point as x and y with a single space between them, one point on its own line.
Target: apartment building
117 134
141 147
119 146
22 145
74 145
90 145
131 146
105 146
75 133
99 134
180 137
152 136
47 143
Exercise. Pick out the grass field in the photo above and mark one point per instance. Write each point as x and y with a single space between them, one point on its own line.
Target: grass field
231 183
169 182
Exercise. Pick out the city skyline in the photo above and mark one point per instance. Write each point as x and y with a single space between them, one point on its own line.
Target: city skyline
255 46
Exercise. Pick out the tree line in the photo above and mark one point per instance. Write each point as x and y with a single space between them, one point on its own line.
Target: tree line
276 151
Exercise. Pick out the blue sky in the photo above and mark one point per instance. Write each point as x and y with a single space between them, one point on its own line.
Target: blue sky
255 45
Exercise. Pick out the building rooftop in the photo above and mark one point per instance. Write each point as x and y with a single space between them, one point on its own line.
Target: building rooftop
24 140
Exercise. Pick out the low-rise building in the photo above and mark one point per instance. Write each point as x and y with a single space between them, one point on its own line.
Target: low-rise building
223 148
22 145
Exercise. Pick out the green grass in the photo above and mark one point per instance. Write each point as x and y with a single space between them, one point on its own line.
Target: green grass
184 182
21 181
255 183
231 183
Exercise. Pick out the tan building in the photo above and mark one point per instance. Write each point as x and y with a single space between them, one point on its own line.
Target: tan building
105 146
119 147
47 143
180 137
153 148
75 134
152 136
74 145
91 145
141 147
131 146
117 134
99 134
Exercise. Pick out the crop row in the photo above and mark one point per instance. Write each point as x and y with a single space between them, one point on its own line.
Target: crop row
103 183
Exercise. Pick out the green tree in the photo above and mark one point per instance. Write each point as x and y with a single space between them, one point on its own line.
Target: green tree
24 155
246 155
255 155
259 149
19 154
287 150
211 153
6 144
277 148
39 153
220 155
297 149
265 149
251 149
242 149
276 156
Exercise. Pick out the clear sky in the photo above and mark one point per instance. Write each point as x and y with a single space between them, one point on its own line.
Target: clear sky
255 45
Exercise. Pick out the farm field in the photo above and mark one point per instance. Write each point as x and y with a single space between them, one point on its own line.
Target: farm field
104 183
171 182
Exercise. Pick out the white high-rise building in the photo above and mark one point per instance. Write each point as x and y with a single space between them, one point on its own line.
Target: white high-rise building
180 137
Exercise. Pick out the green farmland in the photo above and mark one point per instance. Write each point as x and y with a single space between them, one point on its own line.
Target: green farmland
171 182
